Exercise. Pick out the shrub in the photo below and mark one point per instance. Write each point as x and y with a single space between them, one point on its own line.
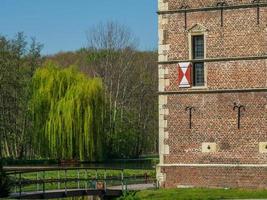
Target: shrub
5 183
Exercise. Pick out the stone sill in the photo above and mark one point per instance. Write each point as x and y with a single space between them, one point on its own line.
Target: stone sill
206 90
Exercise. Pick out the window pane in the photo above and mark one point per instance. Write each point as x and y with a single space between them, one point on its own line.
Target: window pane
198 73
198 47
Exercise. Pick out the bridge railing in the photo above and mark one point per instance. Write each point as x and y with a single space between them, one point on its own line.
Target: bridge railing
66 178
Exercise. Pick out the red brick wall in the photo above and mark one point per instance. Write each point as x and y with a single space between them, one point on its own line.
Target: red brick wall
213 119
227 177
176 4
240 35
227 75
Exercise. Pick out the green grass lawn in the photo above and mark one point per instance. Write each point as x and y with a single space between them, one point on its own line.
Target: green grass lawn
87 173
199 194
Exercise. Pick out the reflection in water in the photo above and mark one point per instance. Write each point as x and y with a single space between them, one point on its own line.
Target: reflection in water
125 164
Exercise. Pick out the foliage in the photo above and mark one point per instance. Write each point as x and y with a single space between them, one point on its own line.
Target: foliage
201 194
110 36
130 79
67 109
5 183
129 196
130 95
129 100
130 88
18 61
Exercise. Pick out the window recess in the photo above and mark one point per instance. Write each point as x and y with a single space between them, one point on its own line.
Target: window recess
198 51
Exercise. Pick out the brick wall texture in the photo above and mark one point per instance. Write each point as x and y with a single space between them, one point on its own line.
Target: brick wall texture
239 36
214 120
227 84
176 4
216 177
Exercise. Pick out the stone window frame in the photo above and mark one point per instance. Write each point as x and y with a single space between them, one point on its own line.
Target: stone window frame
197 30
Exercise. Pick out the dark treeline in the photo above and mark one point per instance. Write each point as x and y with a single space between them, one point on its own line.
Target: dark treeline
18 61
130 91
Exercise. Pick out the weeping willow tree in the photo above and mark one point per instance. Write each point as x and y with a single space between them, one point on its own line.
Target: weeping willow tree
67 107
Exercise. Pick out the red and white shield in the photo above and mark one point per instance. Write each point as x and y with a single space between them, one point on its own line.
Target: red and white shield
184 74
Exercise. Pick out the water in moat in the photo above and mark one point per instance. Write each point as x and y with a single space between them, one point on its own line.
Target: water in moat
125 164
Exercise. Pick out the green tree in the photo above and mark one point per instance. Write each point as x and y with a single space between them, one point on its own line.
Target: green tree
130 88
130 79
18 61
67 110
130 94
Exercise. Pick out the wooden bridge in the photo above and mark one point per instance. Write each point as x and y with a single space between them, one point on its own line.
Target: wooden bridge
60 182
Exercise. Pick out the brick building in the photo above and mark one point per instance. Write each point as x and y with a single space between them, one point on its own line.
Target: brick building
212 93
